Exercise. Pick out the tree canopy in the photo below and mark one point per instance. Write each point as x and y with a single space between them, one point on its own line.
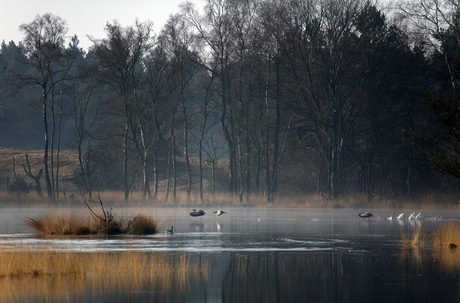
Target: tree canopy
321 96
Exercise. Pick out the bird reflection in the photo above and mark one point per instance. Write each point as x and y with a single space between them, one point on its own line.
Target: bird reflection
218 226
196 227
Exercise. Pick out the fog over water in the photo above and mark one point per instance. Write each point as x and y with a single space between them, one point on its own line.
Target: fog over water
267 255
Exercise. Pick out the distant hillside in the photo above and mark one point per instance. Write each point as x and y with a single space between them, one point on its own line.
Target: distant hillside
68 164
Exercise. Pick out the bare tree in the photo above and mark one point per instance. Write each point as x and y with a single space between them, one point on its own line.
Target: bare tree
177 40
85 116
217 33
36 177
155 113
119 58
50 64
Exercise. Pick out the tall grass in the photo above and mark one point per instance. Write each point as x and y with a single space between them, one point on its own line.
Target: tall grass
78 224
62 224
117 199
447 234
143 225
53 276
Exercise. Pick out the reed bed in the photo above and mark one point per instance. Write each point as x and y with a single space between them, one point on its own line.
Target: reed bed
62 224
52 276
79 224
447 234
182 199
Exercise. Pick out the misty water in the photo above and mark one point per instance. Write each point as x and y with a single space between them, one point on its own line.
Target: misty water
261 255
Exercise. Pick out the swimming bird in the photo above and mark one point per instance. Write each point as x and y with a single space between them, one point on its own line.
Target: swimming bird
197 213
170 231
412 216
400 217
390 218
418 216
366 215
219 212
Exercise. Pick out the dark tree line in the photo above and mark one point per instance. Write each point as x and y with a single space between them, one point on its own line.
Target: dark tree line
313 96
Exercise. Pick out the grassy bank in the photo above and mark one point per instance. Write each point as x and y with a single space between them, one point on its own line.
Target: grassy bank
116 199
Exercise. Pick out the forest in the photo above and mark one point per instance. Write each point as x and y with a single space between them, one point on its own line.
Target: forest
253 97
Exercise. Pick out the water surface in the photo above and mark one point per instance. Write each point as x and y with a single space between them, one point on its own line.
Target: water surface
260 255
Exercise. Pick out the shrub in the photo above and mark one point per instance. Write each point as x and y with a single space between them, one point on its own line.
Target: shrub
142 225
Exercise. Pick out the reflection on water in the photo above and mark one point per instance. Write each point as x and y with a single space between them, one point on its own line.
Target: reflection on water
74 277
301 256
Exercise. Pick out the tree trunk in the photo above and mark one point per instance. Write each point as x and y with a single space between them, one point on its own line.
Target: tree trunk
36 178
49 188
125 162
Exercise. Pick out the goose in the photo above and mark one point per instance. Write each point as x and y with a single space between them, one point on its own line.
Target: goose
197 213
400 217
366 215
170 231
412 216
219 212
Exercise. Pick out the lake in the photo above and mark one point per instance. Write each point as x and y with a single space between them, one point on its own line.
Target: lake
256 255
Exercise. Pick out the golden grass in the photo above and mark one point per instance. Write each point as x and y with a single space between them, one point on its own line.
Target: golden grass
62 224
78 224
448 258
143 225
447 233
116 199
56 275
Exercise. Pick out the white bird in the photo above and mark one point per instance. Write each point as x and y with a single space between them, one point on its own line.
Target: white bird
366 215
390 218
400 217
170 231
197 213
418 216
412 216
219 212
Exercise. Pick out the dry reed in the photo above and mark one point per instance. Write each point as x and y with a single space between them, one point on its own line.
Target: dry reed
49 274
143 225
62 224
77 224
447 234
117 199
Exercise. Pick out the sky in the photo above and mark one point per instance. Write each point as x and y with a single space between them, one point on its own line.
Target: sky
85 17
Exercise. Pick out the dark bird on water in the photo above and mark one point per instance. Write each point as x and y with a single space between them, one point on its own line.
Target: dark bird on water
197 213
366 215
170 231
219 212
